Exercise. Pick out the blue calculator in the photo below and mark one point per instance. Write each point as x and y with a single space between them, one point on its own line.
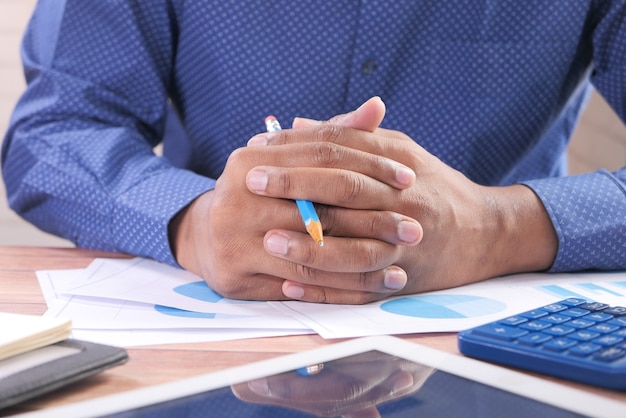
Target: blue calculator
573 339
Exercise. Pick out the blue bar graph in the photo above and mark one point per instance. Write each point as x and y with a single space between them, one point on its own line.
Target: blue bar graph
598 290
561 292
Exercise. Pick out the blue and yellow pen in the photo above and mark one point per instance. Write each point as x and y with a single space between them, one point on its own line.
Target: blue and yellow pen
306 208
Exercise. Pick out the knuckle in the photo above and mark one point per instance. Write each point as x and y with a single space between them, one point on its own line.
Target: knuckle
351 187
363 281
329 133
326 154
305 273
376 224
327 218
284 183
238 154
279 138
373 257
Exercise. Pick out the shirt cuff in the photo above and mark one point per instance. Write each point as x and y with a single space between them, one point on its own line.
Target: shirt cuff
142 215
588 214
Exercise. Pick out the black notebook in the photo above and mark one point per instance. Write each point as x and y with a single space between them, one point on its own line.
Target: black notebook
45 369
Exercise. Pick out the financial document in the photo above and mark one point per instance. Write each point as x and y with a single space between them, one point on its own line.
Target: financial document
139 302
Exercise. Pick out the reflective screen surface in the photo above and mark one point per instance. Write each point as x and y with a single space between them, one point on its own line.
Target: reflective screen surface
363 385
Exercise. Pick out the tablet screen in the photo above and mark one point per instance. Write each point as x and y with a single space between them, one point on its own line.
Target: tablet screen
368 377
362 385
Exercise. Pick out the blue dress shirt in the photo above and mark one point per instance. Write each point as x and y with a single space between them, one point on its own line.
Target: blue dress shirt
493 88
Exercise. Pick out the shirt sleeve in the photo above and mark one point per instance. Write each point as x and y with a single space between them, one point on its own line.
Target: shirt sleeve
78 158
589 211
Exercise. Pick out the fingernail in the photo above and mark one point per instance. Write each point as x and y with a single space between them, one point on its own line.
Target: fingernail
258 140
405 175
277 244
395 278
293 291
257 180
299 122
259 386
409 232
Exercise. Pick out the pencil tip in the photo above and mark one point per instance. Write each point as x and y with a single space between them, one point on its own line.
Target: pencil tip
321 243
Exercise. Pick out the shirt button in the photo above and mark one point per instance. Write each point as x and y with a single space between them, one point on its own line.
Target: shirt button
369 67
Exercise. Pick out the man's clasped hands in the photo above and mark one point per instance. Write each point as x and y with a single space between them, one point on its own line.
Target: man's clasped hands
397 220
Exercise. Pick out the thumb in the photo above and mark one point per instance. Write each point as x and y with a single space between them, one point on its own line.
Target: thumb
366 118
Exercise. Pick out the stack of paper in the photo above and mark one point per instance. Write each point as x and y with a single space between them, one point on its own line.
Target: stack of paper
139 301
22 333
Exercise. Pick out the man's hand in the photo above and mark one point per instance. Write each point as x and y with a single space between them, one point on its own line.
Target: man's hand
240 236
471 232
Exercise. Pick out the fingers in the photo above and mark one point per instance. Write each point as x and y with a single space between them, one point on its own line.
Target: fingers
345 270
394 146
329 186
318 294
387 226
366 118
321 154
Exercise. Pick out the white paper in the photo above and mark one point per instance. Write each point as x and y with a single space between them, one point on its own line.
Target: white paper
459 308
148 281
99 313
128 323
131 301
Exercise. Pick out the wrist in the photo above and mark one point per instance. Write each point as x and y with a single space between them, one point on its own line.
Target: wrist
182 233
522 236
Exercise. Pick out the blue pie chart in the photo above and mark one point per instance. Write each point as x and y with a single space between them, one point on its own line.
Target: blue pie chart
197 290
443 306
166 310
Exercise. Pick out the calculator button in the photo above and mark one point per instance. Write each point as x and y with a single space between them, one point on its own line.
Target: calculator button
620 333
555 307
610 354
559 330
580 323
621 321
584 335
615 310
513 320
534 314
534 339
598 317
594 306
573 301
608 340
535 325
556 318
603 328
575 312
584 349
559 344
500 332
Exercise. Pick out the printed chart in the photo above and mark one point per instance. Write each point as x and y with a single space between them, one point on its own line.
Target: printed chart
443 306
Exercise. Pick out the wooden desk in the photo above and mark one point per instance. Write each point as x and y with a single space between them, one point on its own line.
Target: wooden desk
20 293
